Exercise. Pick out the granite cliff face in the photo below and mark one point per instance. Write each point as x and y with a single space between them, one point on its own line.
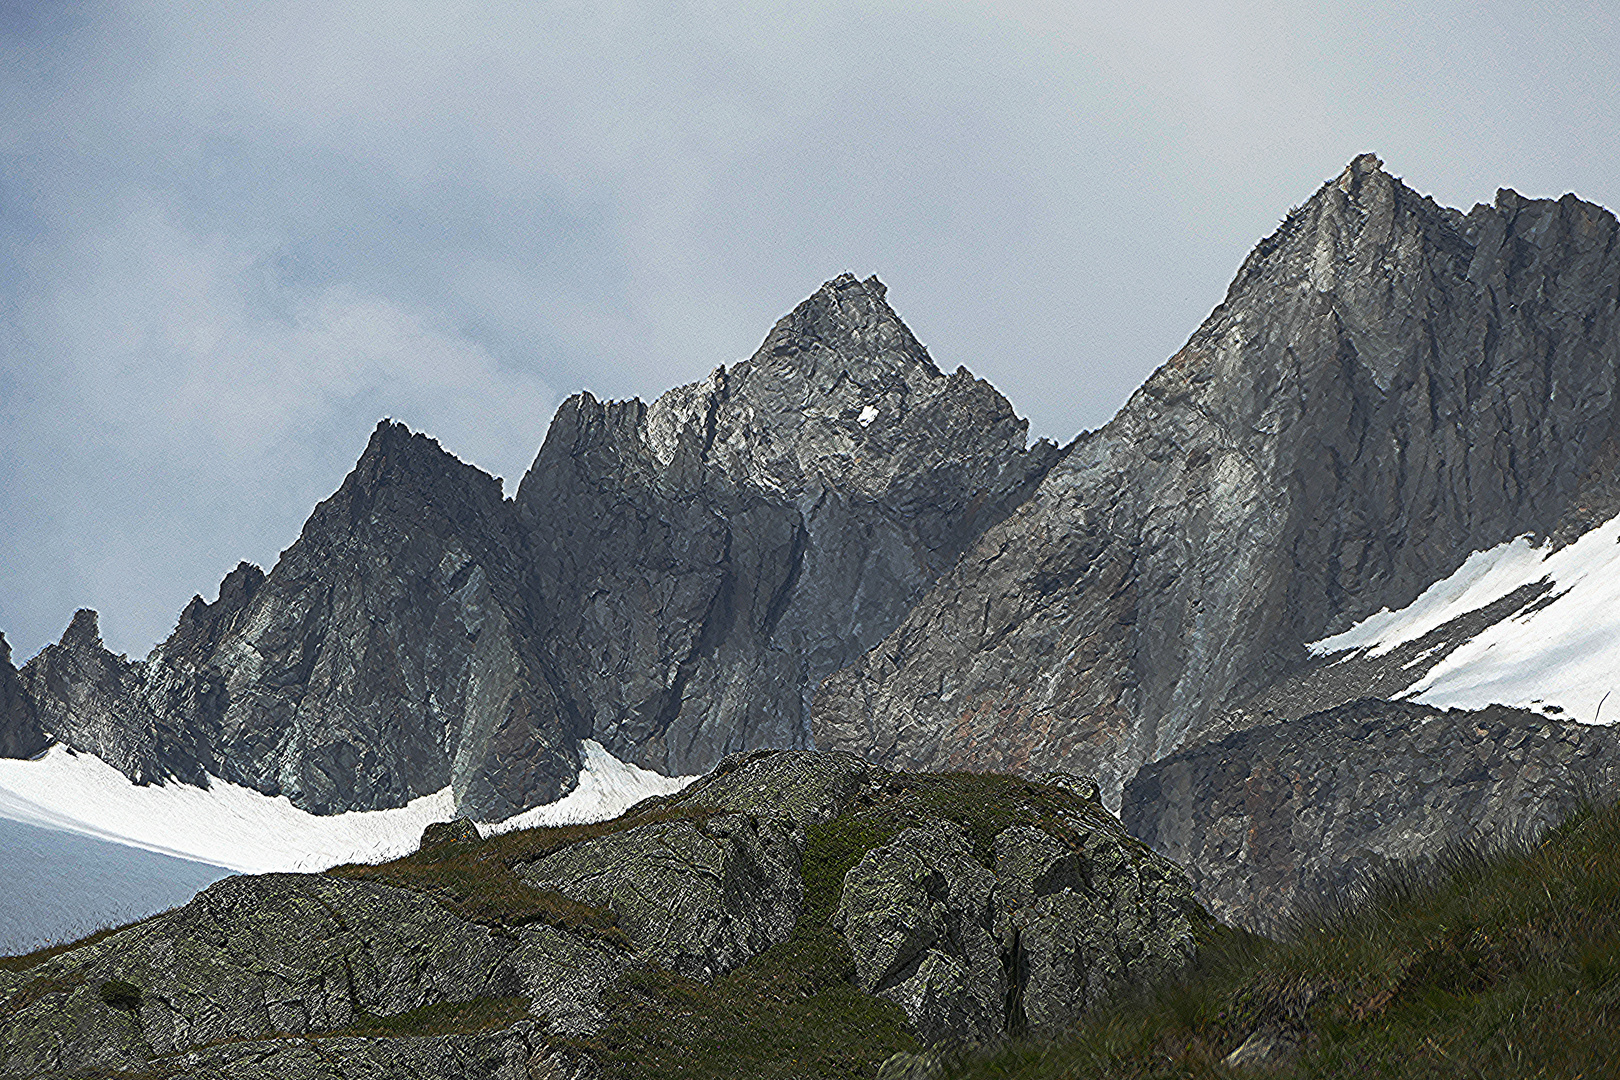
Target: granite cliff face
1389 386
671 579
20 733
704 561
1274 821
387 655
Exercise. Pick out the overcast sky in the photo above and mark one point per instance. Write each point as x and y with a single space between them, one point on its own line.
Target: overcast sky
233 236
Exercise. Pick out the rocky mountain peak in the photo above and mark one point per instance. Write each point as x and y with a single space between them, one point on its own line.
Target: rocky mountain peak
851 320
20 733
83 633
1388 386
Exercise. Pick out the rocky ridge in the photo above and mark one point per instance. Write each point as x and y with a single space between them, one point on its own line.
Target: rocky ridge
671 580
972 915
1389 386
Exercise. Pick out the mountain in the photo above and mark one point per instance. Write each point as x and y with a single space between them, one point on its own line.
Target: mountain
1388 387
671 581
701 563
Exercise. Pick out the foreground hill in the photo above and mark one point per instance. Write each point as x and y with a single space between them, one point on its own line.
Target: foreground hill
790 913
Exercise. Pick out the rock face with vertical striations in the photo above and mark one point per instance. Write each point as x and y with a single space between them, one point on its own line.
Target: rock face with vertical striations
388 655
704 561
671 580
20 733
1388 386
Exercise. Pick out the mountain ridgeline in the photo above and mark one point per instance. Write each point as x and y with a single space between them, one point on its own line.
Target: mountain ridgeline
833 544
1388 387
671 580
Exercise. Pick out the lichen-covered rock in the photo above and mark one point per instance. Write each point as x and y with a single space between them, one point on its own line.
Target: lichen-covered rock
457 830
698 897
496 1055
1085 917
1272 820
808 787
564 976
918 917
248 958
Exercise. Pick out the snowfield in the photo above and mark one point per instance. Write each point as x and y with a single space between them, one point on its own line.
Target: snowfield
1560 657
241 829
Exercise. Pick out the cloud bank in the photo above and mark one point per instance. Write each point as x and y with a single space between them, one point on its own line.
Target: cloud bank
233 236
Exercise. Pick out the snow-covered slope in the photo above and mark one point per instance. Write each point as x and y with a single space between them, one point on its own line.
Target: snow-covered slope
241 829
1559 654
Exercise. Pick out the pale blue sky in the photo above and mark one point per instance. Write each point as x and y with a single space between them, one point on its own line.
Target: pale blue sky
232 236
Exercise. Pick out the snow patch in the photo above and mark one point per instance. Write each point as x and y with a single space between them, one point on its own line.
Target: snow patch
868 414
241 829
1565 653
607 788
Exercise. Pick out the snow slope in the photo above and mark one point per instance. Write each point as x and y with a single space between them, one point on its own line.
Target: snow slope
241 829
1560 656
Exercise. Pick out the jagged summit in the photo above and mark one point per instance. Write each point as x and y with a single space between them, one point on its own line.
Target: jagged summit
1388 387
671 580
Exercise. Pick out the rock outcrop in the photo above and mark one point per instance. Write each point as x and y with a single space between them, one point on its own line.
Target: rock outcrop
976 904
1388 387
697 897
1274 821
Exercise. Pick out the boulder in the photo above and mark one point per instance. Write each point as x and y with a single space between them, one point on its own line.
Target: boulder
699 897
250 957
918 917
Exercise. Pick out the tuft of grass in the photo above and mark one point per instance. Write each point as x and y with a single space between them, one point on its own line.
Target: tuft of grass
1489 964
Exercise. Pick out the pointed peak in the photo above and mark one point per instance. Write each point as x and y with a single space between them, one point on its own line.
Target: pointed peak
85 629
852 318
1363 164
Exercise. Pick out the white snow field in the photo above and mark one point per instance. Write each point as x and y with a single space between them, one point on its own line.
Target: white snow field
239 828
1562 655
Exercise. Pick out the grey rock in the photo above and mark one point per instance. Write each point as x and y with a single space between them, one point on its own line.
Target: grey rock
1388 386
671 579
808 787
456 831
564 976
918 917
89 699
249 957
21 735
1275 821
704 561
1086 918
502 1055
387 655
697 898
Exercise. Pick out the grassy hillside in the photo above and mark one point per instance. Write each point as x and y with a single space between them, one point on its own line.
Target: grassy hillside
1499 965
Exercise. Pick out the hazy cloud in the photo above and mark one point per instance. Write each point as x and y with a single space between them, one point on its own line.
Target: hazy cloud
232 236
